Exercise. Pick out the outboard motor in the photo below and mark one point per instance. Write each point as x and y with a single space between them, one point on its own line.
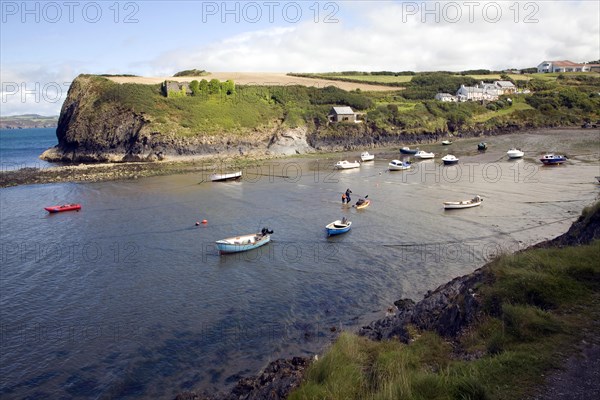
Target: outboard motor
266 231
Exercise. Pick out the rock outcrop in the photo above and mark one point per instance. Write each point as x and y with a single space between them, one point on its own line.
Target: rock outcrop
91 130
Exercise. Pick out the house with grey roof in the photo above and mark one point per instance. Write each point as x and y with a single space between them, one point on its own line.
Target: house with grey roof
341 114
505 87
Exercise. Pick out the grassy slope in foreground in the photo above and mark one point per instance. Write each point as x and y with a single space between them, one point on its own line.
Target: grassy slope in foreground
536 304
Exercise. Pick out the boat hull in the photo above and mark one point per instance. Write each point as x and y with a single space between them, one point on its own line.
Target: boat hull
552 162
451 205
347 165
241 243
456 205
406 150
515 154
65 207
366 156
450 162
226 177
335 228
424 155
397 165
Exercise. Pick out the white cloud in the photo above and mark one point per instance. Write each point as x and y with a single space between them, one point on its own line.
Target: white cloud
393 36
369 36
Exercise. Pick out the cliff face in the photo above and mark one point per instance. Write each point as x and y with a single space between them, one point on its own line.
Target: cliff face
92 130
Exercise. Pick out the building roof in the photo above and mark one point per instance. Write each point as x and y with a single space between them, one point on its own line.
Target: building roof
565 63
342 110
505 84
472 89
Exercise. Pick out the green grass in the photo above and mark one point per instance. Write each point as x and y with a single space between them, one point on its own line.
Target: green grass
517 106
539 302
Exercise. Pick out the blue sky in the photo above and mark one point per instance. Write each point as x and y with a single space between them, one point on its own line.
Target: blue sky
46 44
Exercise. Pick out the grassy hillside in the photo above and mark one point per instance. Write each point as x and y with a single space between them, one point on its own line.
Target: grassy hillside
536 306
561 100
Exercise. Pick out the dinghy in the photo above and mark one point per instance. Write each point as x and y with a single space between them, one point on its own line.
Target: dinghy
453 205
64 207
338 227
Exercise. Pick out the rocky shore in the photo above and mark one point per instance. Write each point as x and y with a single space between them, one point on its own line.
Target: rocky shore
447 310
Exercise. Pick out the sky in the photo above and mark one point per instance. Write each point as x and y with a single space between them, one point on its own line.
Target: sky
44 45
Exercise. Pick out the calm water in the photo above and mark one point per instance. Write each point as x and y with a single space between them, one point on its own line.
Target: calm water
20 148
129 299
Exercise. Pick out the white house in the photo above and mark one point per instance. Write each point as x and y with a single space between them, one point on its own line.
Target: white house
482 91
564 66
447 97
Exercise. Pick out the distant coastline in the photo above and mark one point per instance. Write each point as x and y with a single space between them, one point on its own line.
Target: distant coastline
28 121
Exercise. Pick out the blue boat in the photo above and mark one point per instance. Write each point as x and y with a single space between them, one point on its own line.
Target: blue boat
407 150
552 159
244 242
338 227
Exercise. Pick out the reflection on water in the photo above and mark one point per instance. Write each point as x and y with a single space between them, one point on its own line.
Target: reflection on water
128 298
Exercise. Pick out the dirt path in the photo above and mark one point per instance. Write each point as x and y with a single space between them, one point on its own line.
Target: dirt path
257 78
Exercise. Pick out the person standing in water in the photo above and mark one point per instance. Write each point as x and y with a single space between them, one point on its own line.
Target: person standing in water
348 191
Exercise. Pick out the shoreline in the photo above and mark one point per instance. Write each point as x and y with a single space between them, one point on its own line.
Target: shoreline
449 310
175 165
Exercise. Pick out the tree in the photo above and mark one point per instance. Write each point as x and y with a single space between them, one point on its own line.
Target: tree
203 86
214 86
195 87
228 87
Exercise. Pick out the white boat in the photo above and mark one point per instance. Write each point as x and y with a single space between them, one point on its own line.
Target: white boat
514 153
347 165
423 155
449 159
446 142
226 177
338 227
365 156
397 165
453 205
244 242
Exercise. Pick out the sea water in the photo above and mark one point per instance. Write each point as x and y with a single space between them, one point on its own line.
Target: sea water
128 298
20 148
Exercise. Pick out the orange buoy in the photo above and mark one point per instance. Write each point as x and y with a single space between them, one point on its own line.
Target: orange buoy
204 221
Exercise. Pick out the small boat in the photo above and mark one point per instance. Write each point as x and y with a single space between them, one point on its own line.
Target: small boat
453 205
64 207
424 155
515 153
347 165
244 242
397 165
482 146
446 142
407 150
552 159
365 156
226 177
338 227
449 159
362 203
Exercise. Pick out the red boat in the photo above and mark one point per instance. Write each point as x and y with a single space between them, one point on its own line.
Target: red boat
64 207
